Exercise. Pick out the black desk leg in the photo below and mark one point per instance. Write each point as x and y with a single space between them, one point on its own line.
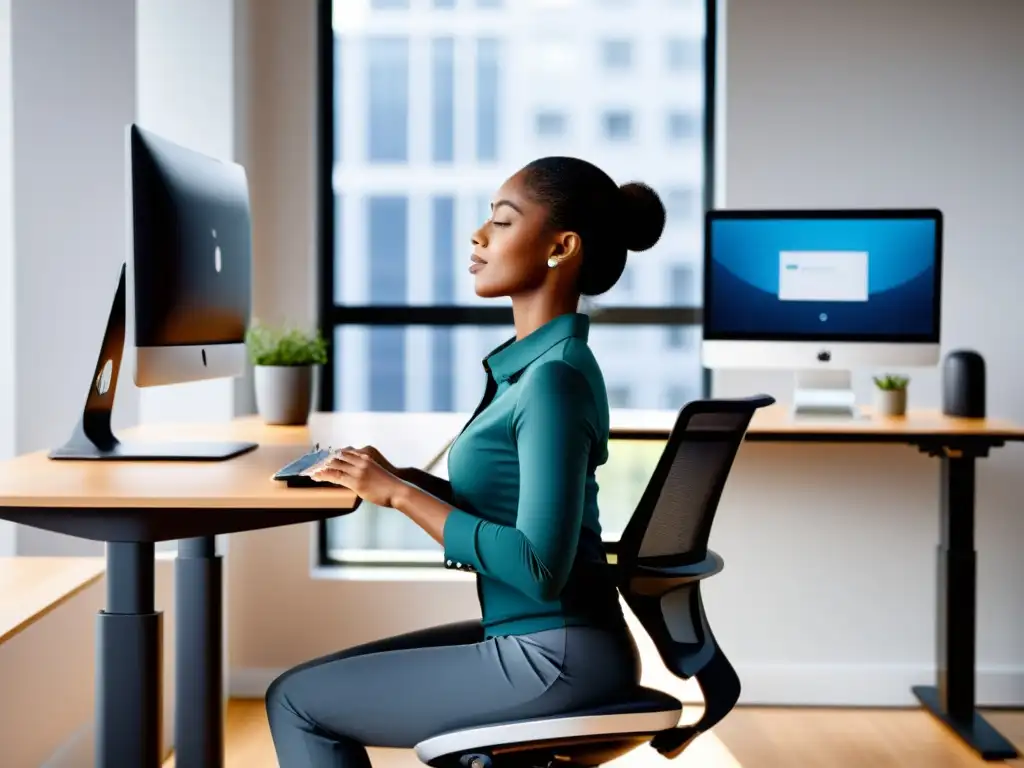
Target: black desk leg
952 698
128 662
199 713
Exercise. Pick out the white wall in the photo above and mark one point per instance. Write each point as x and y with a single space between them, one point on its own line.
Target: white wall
829 593
72 92
912 103
7 530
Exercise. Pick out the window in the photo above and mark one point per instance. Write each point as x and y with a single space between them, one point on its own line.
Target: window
681 290
387 85
430 106
487 95
443 77
681 283
683 54
617 54
681 204
618 125
550 124
682 127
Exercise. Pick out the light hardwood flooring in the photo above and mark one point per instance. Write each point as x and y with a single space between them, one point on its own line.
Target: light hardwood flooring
751 737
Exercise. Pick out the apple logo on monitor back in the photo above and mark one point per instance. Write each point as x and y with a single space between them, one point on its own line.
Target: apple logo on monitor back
824 356
216 253
103 380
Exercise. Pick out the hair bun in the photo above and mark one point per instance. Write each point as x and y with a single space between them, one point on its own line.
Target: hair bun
643 216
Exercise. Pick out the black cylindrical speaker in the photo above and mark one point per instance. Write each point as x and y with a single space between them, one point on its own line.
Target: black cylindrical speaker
963 384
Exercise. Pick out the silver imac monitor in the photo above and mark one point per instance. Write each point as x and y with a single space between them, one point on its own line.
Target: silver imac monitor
182 302
189 269
822 293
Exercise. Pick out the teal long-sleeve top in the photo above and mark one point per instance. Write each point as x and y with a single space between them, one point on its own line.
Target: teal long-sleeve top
522 474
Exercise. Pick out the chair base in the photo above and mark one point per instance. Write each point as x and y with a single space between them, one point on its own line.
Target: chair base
582 752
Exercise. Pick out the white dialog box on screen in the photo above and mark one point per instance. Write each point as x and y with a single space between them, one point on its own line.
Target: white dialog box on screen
823 275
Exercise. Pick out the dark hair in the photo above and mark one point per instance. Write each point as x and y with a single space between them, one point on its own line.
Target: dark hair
609 219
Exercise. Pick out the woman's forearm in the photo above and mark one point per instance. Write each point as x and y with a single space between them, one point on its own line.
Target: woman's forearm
432 484
428 512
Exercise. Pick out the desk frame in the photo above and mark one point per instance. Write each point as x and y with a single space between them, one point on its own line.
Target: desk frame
952 698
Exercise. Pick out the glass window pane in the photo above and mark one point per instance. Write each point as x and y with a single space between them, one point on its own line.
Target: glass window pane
388 91
448 103
617 54
443 52
339 115
684 54
487 97
550 124
618 125
683 127
443 225
387 228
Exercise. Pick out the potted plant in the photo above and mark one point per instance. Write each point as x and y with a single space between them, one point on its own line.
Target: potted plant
283 362
891 395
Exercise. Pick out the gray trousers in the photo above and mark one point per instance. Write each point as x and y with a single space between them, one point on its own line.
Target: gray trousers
399 691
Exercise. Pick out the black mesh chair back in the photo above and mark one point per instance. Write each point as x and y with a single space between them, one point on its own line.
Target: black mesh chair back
663 554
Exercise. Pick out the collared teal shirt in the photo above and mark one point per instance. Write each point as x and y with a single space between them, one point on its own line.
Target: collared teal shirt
524 490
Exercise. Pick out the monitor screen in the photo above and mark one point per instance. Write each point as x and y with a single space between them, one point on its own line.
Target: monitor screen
824 275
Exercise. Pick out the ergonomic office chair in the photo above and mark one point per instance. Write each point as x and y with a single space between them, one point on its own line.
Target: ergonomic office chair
661 559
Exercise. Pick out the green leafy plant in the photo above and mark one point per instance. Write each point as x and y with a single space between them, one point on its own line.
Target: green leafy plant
285 346
891 382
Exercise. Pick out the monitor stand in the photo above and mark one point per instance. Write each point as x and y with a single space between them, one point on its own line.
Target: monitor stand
93 438
824 395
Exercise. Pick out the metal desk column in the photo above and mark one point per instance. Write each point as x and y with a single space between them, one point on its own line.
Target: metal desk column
199 682
128 661
952 699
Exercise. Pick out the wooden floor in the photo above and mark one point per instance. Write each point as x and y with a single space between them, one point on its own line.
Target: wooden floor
748 738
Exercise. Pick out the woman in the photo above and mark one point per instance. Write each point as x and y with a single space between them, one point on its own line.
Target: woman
519 509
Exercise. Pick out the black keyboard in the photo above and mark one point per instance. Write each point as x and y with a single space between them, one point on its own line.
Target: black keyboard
292 476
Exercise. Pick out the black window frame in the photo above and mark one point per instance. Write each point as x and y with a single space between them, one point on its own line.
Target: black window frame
331 315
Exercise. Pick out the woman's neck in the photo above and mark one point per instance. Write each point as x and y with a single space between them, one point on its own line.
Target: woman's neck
532 311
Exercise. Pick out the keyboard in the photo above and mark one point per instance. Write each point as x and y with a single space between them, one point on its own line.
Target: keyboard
291 474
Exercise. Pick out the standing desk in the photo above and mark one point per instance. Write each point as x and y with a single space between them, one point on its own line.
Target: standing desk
133 505
957 443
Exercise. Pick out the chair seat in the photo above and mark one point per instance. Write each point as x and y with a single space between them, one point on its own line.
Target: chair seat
642 711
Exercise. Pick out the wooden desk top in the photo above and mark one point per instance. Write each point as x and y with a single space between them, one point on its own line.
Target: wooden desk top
776 423
407 439
244 482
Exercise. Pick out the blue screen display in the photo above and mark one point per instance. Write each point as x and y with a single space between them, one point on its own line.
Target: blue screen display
822 278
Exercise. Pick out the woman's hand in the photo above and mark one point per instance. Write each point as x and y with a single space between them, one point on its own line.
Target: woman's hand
378 458
358 471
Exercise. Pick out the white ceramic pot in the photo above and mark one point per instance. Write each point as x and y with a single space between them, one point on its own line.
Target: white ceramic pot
890 402
284 394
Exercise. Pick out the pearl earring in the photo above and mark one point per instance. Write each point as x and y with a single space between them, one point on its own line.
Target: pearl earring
552 262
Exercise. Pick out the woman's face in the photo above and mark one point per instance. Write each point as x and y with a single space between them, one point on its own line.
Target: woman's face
511 249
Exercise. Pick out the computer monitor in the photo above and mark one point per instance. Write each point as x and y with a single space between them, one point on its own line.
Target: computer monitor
182 302
821 293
